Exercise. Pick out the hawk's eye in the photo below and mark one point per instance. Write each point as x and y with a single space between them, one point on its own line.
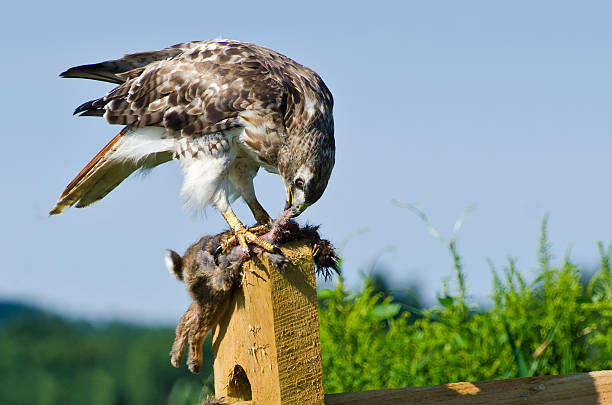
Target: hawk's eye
299 183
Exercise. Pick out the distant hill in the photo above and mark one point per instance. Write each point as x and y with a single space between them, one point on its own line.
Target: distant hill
12 309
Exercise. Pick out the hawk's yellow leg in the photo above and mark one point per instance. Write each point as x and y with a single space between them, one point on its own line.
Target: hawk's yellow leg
260 214
243 234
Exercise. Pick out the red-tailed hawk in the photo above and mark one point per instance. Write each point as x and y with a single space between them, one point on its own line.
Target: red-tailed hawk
223 109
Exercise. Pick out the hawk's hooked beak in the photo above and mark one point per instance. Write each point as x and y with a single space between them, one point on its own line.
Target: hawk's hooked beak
290 209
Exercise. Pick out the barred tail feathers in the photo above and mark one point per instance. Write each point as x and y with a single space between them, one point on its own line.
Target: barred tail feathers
128 151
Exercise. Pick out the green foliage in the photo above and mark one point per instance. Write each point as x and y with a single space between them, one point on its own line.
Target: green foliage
553 325
47 360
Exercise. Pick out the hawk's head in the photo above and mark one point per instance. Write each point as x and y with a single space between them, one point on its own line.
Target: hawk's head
305 169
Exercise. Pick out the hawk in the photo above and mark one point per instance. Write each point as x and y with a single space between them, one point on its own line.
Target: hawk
223 109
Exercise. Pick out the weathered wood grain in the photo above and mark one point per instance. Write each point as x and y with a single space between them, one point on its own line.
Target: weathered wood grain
573 389
271 331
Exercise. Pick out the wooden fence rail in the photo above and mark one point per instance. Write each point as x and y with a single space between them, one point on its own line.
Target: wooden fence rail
574 389
267 351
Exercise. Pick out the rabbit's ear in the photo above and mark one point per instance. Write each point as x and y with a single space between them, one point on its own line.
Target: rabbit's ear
174 263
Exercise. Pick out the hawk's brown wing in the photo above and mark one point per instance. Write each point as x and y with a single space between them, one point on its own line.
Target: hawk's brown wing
196 88
113 70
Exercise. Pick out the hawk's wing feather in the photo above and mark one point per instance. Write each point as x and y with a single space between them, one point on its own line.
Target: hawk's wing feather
114 163
196 88
114 71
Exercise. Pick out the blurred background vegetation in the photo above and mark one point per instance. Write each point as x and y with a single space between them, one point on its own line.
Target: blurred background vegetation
376 338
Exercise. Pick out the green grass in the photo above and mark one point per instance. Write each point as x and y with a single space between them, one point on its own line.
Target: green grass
557 324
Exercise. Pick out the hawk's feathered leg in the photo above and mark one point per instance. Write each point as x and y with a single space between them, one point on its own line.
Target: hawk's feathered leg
241 174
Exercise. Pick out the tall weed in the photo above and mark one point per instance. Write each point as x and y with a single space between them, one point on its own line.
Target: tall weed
553 325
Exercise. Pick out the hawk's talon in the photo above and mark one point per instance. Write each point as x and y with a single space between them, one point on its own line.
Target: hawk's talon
259 229
256 240
256 230
243 237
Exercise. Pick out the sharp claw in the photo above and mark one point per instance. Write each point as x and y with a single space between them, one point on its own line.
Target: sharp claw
216 254
245 237
315 251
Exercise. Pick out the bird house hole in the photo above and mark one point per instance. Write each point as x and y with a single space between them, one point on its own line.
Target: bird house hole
239 387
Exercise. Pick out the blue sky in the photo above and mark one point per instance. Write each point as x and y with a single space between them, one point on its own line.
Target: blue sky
442 104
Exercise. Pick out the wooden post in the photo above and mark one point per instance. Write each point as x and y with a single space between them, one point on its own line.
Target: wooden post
266 346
